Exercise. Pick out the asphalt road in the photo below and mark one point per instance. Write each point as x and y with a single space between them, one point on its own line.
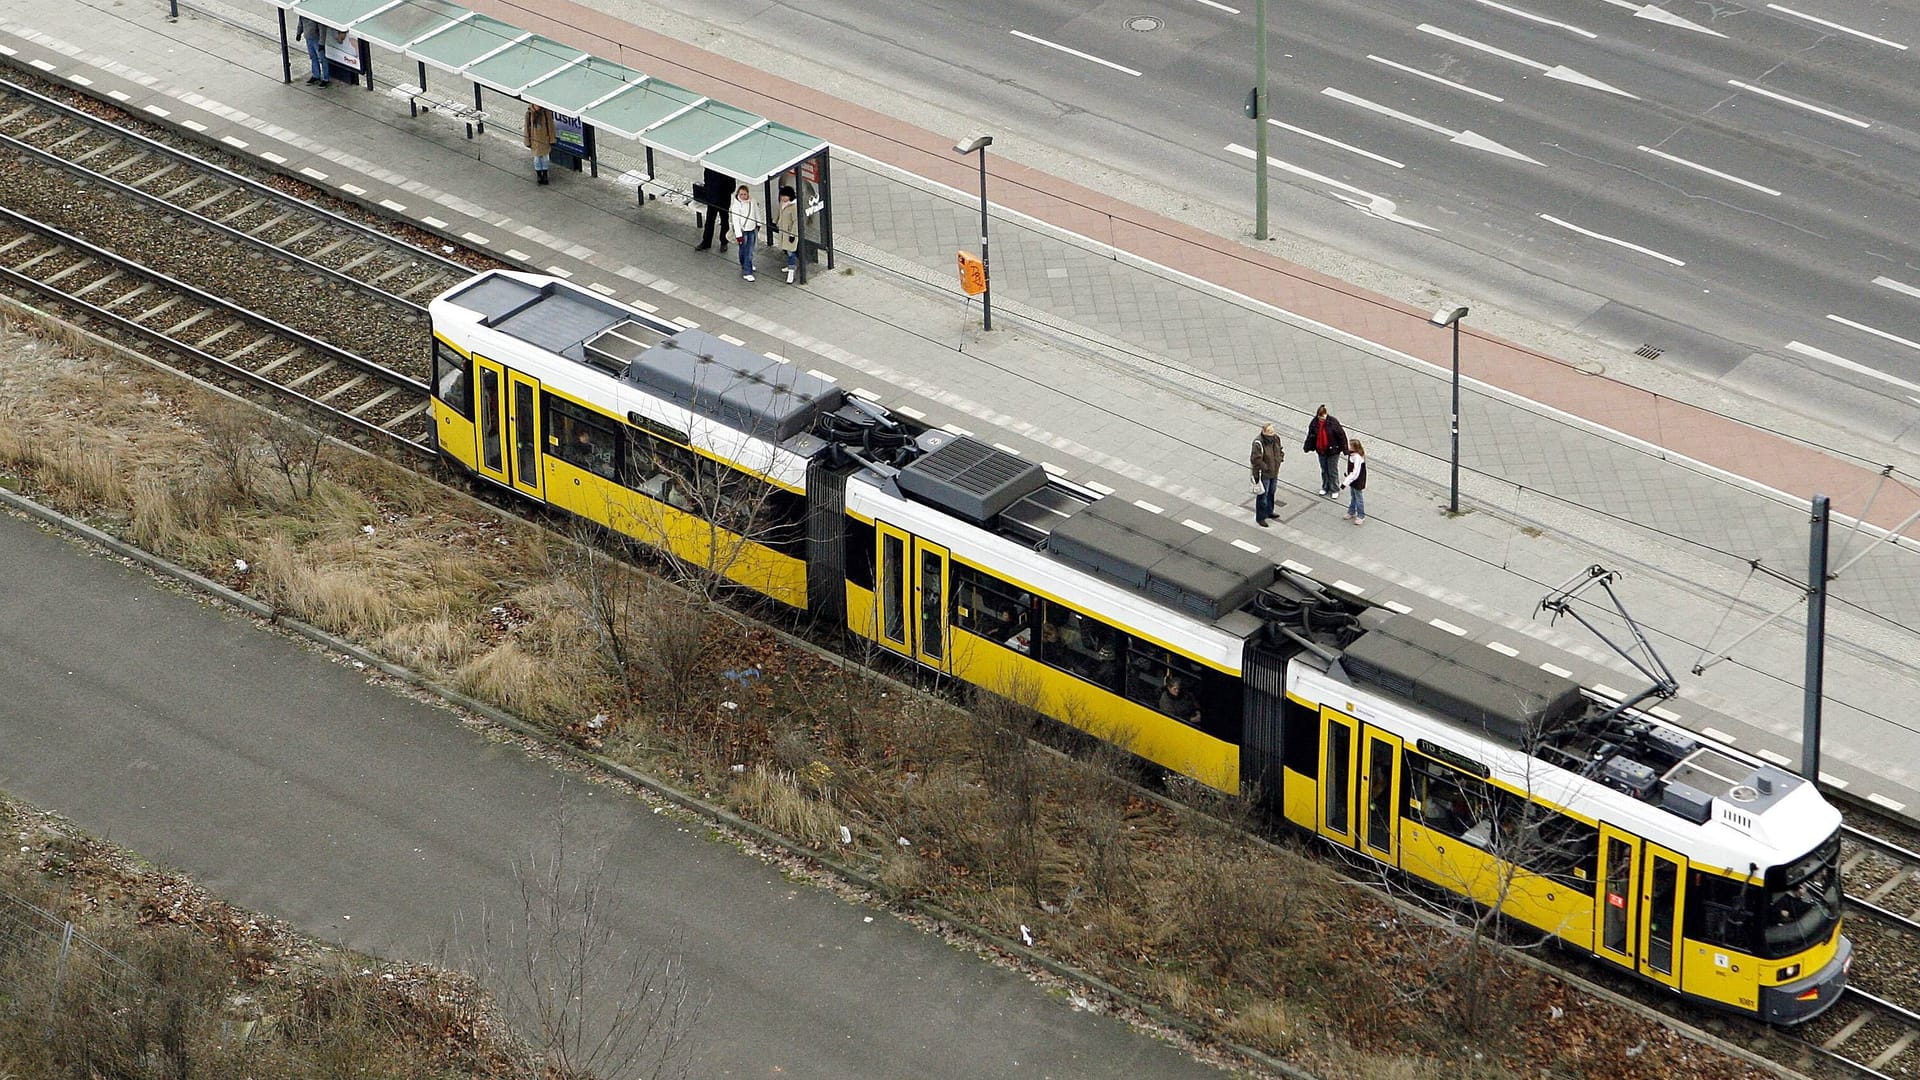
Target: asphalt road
284 781
1713 180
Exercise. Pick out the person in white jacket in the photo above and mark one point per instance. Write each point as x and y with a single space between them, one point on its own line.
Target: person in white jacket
1356 482
746 222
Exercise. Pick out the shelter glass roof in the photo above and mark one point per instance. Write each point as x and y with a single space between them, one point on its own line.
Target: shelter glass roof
570 90
701 128
336 13
400 25
632 112
528 62
461 43
765 151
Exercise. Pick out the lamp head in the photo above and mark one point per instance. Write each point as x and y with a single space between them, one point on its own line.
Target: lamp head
1448 316
968 146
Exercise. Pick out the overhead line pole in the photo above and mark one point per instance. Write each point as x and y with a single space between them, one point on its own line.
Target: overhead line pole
1816 639
1260 120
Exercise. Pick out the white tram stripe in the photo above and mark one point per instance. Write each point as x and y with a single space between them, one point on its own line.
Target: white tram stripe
1896 286
1556 669
1338 143
1895 338
1073 52
1149 507
1456 631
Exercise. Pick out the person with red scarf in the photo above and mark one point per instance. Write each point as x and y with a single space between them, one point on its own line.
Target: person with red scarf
1327 438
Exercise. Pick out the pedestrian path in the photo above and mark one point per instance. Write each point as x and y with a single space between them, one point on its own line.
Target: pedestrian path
1156 372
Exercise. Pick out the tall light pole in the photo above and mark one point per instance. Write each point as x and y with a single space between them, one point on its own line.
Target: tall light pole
1260 120
968 146
1443 318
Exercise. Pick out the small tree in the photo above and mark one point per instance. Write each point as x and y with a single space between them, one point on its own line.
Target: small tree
597 1006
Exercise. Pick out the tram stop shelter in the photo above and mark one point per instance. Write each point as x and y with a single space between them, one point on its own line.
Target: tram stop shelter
586 94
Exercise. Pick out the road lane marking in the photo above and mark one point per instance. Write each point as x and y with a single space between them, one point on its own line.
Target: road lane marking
1864 328
1729 177
1336 142
1662 15
1541 19
1836 26
1612 240
1896 286
1559 71
1797 103
1845 364
1365 201
1464 138
1073 52
1435 78
1222 7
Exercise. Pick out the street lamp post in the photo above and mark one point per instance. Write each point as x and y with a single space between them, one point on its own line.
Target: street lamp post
968 146
1443 318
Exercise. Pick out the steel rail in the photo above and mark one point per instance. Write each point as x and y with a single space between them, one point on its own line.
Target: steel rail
7 86
1885 847
225 230
1875 1001
254 319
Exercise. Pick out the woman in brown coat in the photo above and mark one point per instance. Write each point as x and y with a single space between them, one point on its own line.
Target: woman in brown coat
539 138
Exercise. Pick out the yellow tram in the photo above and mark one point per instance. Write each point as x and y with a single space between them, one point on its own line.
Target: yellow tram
1400 741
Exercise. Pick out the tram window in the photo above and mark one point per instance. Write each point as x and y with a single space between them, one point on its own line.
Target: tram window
1720 911
1380 794
658 469
1339 745
1448 801
859 536
1613 931
1666 876
490 411
1803 901
932 626
450 383
1300 739
893 558
582 438
1556 846
991 608
1164 681
1079 645
526 448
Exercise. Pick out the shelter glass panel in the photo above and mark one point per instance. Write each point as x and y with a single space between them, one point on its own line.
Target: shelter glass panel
464 42
633 112
398 27
338 13
572 89
698 130
533 59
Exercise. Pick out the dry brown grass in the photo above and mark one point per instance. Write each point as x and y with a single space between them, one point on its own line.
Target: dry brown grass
774 798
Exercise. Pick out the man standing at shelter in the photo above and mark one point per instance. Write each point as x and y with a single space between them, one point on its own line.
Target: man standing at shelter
539 139
1264 463
1327 438
315 36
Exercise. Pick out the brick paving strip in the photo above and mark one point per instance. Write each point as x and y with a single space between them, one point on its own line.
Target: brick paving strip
1719 442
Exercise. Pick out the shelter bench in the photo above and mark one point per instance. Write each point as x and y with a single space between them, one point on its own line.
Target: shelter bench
419 101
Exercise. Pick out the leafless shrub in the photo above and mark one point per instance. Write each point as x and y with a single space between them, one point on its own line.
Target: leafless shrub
597 1006
295 451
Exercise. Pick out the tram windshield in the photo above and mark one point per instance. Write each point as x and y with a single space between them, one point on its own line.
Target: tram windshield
1803 900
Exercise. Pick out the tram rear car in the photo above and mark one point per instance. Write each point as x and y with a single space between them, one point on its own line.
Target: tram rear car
1393 739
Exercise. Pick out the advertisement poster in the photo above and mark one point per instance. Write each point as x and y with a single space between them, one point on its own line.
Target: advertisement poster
569 132
343 49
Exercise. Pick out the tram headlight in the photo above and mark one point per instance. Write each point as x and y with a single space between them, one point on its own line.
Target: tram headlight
1791 971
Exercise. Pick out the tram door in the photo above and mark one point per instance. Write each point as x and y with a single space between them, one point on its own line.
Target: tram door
490 418
912 594
1662 899
1617 937
1339 739
1379 791
523 418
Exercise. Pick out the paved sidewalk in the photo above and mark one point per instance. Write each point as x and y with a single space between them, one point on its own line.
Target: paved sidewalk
1144 372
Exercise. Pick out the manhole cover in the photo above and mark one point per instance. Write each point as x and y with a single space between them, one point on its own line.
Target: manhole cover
1143 24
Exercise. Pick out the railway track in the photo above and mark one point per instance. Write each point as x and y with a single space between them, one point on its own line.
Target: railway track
130 165
219 337
1882 879
1866 1035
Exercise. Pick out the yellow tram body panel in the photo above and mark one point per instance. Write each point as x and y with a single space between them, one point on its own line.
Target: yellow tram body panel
1103 714
688 537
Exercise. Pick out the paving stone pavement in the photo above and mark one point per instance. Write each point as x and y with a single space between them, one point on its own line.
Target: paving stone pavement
1158 376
